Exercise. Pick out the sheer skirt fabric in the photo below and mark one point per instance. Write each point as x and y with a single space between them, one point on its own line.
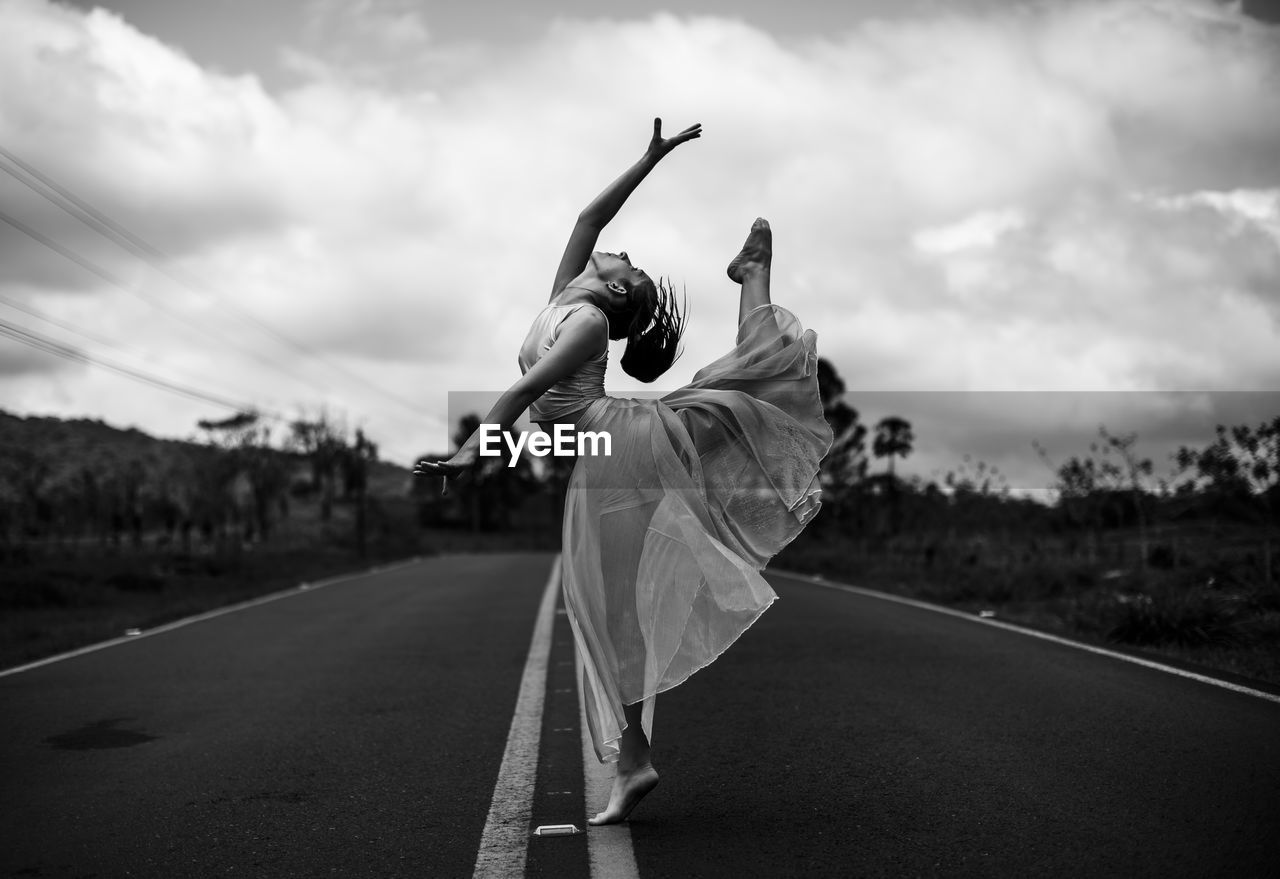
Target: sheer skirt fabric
664 539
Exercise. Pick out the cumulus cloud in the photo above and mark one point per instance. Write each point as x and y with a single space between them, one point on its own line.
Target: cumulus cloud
1067 196
384 26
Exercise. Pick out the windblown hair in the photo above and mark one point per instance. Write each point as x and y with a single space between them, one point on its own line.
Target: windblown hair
652 331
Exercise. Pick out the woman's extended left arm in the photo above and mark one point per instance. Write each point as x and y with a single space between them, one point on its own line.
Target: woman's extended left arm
584 335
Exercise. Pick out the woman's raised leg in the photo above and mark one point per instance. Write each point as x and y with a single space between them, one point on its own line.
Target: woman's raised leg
750 268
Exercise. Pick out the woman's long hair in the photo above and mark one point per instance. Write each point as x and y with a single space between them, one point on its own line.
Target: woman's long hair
653 331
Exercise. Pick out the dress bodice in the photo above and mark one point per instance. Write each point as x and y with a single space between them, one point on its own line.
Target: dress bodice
576 391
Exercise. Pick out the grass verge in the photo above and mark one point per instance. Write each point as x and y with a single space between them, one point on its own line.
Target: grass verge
1191 615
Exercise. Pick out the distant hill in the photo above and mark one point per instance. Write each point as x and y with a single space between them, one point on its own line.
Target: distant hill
64 448
73 439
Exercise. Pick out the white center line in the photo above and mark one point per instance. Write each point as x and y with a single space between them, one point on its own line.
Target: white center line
609 848
505 842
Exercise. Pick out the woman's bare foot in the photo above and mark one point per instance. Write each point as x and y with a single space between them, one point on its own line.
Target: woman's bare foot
757 251
629 788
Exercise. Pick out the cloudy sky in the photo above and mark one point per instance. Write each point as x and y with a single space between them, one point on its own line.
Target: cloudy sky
360 205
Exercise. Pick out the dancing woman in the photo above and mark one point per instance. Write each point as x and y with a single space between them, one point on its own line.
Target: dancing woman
665 538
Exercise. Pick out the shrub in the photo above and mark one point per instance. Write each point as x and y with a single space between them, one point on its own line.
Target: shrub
28 593
136 581
1264 600
1161 557
1189 618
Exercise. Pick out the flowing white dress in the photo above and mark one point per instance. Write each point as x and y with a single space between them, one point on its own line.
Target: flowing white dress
665 538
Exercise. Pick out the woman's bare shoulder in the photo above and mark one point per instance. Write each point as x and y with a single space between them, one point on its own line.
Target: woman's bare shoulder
588 321
590 312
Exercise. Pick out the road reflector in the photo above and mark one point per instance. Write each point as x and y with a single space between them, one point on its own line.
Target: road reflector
556 830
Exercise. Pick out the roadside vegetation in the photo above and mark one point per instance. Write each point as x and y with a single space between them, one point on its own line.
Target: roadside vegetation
103 530
1183 568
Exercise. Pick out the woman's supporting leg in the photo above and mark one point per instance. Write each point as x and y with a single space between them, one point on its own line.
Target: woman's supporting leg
635 776
635 746
750 268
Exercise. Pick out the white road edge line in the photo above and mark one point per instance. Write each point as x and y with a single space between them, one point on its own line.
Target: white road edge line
300 589
504 844
1044 636
609 850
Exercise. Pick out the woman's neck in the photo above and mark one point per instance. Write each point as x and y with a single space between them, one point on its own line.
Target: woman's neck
575 293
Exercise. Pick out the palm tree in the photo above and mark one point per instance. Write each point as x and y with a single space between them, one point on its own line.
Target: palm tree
845 465
893 440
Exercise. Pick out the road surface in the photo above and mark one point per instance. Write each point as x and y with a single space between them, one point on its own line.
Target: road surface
359 729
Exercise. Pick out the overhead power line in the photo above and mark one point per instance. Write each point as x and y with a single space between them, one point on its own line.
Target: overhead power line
44 343
68 201
70 328
120 283
63 325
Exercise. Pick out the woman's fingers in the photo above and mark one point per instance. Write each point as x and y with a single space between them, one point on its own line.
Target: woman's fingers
688 134
666 144
446 471
436 468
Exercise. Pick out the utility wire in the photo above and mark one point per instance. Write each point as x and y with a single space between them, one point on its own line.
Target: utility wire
70 328
51 346
109 228
116 281
63 325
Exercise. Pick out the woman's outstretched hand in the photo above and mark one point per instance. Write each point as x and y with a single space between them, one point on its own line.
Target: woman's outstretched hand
660 146
455 468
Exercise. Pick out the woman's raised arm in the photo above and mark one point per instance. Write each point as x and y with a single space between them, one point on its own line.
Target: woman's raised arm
595 216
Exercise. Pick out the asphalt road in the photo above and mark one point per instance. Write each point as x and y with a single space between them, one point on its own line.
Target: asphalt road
357 730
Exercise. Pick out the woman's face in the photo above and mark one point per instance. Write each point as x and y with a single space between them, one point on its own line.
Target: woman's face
627 288
620 276
616 266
